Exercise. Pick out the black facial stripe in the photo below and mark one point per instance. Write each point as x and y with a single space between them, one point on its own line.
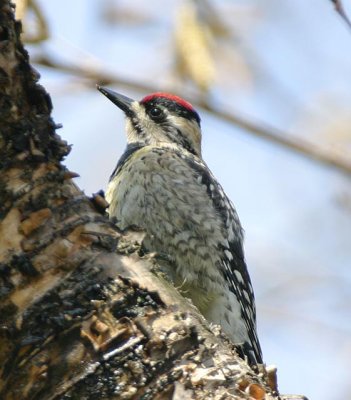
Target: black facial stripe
137 126
157 114
173 107
185 142
129 151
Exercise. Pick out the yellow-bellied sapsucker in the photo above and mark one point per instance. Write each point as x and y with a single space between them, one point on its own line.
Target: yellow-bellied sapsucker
162 185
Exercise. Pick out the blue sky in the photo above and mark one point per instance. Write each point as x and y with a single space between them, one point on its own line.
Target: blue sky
287 64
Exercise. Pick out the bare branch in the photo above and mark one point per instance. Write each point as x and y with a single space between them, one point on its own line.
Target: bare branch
256 128
82 315
341 11
281 138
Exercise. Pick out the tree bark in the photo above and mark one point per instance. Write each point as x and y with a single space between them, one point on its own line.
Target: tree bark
82 314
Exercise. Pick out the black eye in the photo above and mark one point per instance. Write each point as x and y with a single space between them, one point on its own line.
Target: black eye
156 113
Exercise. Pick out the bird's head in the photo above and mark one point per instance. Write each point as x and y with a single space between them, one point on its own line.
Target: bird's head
159 119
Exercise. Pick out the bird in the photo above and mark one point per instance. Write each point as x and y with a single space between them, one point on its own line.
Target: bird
162 185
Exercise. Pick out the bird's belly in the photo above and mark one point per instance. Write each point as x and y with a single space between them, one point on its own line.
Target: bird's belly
180 222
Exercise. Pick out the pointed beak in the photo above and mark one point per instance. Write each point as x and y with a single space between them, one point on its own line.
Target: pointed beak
123 102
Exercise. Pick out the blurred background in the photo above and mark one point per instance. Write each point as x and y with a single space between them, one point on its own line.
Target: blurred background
271 81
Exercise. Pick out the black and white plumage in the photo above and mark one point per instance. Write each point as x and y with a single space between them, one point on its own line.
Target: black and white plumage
162 185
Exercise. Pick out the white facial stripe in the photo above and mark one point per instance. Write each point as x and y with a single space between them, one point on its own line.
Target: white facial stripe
142 128
190 129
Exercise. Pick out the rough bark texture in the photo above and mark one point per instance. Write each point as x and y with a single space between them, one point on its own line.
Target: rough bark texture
82 315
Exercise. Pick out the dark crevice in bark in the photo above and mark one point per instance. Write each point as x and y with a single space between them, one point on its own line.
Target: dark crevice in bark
82 315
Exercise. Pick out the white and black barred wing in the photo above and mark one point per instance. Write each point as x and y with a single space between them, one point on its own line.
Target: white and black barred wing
232 265
187 216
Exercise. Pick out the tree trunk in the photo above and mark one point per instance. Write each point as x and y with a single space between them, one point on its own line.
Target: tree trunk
82 315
